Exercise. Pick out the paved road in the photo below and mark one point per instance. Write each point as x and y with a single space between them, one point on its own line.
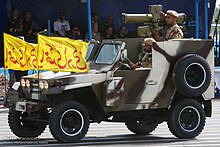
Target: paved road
115 134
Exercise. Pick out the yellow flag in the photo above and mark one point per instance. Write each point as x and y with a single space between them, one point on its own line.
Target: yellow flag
18 54
62 54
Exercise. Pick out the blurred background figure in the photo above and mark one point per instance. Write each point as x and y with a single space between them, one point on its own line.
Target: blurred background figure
108 23
109 33
61 26
30 29
14 23
14 27
75 33
95 32
122 33
95 19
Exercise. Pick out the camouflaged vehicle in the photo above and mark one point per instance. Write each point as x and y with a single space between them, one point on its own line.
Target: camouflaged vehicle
177 89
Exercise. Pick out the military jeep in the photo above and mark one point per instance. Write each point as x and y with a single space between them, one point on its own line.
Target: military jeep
178 89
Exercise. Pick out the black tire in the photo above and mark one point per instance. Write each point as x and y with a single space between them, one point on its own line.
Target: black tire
24 128
186 119
69 122
141 126
191 75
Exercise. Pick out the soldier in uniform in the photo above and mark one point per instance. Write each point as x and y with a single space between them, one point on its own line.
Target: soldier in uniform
145 57
172 31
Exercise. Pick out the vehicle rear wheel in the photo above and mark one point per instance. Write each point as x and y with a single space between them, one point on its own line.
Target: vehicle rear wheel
141 126
22 127
186 119
69 122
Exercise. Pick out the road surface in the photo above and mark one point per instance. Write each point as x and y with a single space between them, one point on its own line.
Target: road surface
115 134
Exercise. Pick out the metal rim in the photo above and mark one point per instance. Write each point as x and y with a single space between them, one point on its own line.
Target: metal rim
195 75
189 119
71 122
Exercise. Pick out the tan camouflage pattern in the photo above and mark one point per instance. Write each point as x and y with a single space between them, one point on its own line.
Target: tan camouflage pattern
142 88
174 32
145 60
152 88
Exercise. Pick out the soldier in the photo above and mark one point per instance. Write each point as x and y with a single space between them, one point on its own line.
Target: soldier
145 57
173 31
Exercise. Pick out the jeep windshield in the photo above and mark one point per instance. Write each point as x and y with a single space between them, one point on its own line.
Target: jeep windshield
108 54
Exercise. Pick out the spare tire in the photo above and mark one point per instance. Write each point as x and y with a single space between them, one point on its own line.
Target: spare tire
191 75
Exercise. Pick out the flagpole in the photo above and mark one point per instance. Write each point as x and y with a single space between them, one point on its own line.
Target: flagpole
38 74
38 79
89 20
5 86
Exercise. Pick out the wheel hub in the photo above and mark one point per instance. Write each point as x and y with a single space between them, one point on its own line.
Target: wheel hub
189 119
71 122
195 75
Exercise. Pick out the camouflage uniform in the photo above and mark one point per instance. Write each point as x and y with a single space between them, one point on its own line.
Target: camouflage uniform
145 60
174 32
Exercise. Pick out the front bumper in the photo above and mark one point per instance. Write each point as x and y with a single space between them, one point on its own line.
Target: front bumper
14 102
29 106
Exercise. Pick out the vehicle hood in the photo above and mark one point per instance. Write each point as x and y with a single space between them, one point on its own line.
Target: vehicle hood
71 78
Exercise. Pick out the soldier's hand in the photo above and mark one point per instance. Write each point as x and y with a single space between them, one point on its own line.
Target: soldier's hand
162 15
158 37
132 65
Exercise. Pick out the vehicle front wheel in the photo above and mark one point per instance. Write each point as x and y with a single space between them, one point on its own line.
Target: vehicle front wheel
186 119
141 126
69 122
22 127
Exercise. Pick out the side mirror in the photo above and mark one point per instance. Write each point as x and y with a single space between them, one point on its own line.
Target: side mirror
124 56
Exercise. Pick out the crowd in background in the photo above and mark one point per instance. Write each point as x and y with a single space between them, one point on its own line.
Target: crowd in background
100 30
21 26
25 26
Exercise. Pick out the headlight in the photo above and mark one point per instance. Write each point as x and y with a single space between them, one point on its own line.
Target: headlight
43 84
27 83
22 82
46 85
